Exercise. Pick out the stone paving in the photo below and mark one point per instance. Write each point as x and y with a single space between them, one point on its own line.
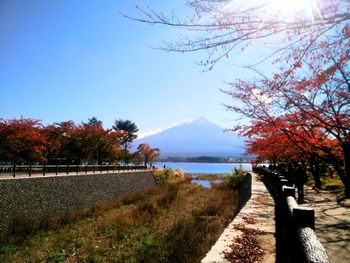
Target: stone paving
261 208
332 223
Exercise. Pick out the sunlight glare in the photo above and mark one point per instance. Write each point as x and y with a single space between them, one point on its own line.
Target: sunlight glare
291 5
289 8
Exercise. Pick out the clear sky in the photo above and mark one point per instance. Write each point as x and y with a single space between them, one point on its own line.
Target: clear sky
71 60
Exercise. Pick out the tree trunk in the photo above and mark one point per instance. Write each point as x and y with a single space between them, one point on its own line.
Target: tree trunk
346 153
338 168
125 148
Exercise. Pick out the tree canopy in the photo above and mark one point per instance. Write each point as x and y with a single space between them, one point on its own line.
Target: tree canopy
128 131
227 26
150 155
28 140
300 108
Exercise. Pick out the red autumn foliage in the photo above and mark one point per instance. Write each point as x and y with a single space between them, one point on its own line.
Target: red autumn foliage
27 140
22 140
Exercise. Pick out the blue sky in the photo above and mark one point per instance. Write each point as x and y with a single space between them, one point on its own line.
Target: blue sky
71 60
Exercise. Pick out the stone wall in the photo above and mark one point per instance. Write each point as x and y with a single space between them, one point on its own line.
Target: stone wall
38 197
245 192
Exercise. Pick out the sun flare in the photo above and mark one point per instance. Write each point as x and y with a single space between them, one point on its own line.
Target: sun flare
289 9
291 5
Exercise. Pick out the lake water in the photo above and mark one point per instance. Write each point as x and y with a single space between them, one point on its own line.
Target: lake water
205 183
205 168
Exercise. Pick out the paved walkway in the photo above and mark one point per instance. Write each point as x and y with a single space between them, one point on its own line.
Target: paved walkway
332 223
261 208
40 175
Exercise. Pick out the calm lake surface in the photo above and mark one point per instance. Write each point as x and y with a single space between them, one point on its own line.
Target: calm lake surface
205 183
206 168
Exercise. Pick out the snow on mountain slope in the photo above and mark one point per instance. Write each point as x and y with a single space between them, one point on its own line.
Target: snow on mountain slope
195 137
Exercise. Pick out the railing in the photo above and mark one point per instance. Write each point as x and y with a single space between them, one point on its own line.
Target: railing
29 170
295 226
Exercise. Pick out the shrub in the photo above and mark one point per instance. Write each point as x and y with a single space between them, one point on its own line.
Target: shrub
179 173
166 175
233 179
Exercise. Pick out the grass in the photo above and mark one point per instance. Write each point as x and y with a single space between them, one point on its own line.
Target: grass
332 184
175 222
209 177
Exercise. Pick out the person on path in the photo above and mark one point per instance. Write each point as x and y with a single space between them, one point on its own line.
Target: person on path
300 178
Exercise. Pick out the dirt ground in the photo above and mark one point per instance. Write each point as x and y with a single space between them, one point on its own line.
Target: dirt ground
332 223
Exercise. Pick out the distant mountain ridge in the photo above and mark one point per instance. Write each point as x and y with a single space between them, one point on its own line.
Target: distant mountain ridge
195 137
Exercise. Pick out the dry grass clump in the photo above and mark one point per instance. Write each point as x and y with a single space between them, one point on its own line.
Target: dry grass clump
209 177
166 175
175 222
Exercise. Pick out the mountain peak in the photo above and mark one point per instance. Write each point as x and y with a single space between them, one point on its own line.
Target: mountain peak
195 137
196 119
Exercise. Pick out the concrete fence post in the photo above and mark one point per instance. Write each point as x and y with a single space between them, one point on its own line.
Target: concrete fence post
304 217
284 182
288 191
311 249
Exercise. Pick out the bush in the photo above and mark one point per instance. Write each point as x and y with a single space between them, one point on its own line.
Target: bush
233 179
166 175
179 173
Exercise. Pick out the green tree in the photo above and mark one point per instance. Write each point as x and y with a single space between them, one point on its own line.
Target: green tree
93 122
128 131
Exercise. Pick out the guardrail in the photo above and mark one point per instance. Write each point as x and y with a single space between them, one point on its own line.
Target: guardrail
15 170
296 240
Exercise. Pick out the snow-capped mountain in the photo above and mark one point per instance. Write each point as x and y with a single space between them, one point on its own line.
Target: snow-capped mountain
195 137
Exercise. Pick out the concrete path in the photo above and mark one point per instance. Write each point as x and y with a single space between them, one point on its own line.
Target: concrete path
332 223
39 175
261 208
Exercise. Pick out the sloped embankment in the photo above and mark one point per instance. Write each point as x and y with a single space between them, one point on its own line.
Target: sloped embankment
175 222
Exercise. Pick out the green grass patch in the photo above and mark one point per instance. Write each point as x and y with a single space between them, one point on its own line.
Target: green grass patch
332 184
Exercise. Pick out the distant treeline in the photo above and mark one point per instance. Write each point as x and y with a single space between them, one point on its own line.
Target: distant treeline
27 140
